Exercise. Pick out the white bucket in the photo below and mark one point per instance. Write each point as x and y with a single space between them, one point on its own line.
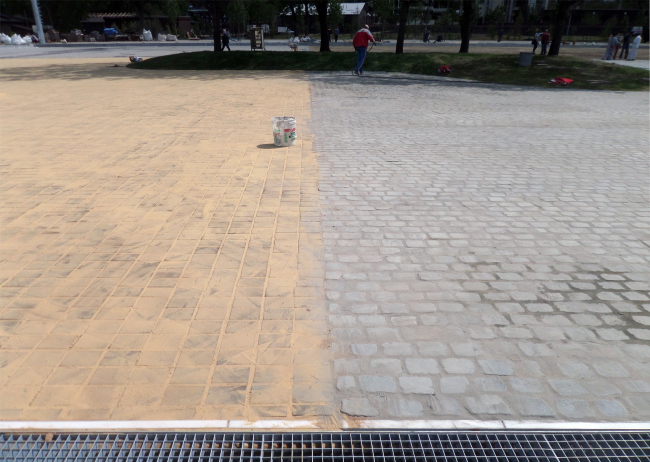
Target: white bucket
284 131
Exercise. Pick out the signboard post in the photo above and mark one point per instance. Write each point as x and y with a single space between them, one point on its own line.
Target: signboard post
257 38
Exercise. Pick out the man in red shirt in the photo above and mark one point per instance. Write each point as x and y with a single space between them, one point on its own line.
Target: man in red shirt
360 43
546 39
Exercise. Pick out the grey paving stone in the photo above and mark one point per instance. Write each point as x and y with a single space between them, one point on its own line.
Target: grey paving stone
487 404
364 349
374 383
601 388
610 369
358 407
638 386
405 408
344 382
533 407
398 348
640 404
641 334
451 385
416 385
458 366
432 348
574 408
445 406
575 370
490 384
535 349
466 349
526 385
567 387
495 367
422 366
612 409
386 366
612 334
347 366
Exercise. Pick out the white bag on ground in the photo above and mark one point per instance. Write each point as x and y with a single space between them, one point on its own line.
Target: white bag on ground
172 38
162 38
284 131
5 39
16 40
147 35
27 39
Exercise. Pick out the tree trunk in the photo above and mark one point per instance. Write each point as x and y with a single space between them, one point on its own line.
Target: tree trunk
403 18
140 15
307 18
559 26
466 21
321 9
294 15
524 10
216 25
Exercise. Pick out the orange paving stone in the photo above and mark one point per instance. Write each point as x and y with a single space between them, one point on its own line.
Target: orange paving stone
159 258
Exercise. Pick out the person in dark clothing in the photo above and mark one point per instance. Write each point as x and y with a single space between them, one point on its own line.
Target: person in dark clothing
546 39
225 40
336 34
501 32
625 48
426 35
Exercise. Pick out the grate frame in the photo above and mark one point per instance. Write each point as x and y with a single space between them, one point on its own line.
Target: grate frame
358 446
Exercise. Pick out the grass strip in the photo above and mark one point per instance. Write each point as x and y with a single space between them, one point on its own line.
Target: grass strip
490 68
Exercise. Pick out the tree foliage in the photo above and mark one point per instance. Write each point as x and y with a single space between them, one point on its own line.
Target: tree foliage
238 14
335 13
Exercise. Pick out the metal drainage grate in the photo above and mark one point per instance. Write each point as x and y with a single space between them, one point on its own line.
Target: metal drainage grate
339 446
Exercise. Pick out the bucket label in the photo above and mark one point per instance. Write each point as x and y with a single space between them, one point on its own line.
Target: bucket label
289 134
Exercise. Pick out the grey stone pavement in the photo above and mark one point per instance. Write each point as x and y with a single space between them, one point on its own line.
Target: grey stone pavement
486 249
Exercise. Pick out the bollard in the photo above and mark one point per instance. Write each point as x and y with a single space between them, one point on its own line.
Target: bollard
525 59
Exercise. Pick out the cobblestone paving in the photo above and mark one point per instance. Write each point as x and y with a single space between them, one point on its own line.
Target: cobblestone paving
160 260
486 249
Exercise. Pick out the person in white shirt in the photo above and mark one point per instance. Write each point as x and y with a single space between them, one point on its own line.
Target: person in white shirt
634 47
535 41
611 47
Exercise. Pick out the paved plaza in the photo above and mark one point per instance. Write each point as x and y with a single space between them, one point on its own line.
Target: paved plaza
486 249
429 249
159 260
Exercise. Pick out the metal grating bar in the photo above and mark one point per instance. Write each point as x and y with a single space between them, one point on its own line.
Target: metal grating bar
415 446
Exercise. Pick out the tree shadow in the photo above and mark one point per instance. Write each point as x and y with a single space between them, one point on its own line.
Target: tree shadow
85 71
406 80
108 71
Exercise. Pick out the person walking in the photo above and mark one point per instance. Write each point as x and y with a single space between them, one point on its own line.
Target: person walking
610 51
425 36
360 43
625 47
635 47
336 34
501 32
225 40
546 39
535 41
